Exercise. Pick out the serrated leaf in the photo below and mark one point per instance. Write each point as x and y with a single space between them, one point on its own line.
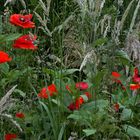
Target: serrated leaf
89 132
122 54
100 104
132 131
126 114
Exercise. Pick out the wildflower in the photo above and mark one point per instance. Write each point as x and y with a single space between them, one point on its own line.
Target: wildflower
81 85
116 74
79 101
52 89
10 136
136 77
25 42
49 91
4 57
77 104
43 93
23 21
20 115
72 107
134 86
116 107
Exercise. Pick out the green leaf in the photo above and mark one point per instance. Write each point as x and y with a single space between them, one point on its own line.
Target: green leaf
100 104
123 55
62 130
82 116
89 132
131 131
100 42
23 94
68 71
12 37
9 37
126 114
13 75
60 73
4 68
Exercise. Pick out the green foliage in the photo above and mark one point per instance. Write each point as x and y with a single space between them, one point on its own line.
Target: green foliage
78 40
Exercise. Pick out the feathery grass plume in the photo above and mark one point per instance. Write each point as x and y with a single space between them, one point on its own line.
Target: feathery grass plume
116 32
45 8
9 1
105 25
15 123
90 57
133 48
134 17
5 99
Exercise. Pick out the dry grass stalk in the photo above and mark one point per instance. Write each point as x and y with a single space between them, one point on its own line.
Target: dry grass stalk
5 99
90 57
13 121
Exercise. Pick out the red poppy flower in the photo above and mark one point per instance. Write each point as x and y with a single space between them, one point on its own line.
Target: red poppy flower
50 90
25 42
4 57
116 107
134 86
10 136
72 107
79 101
116 74
20 115
77 104
136 77
81 85
43 93
23 21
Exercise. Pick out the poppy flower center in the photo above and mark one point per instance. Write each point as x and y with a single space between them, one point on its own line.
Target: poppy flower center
22 19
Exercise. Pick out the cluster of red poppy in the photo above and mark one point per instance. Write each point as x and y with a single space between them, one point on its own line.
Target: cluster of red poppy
23 42
135 86
49 91
52 91
82 86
